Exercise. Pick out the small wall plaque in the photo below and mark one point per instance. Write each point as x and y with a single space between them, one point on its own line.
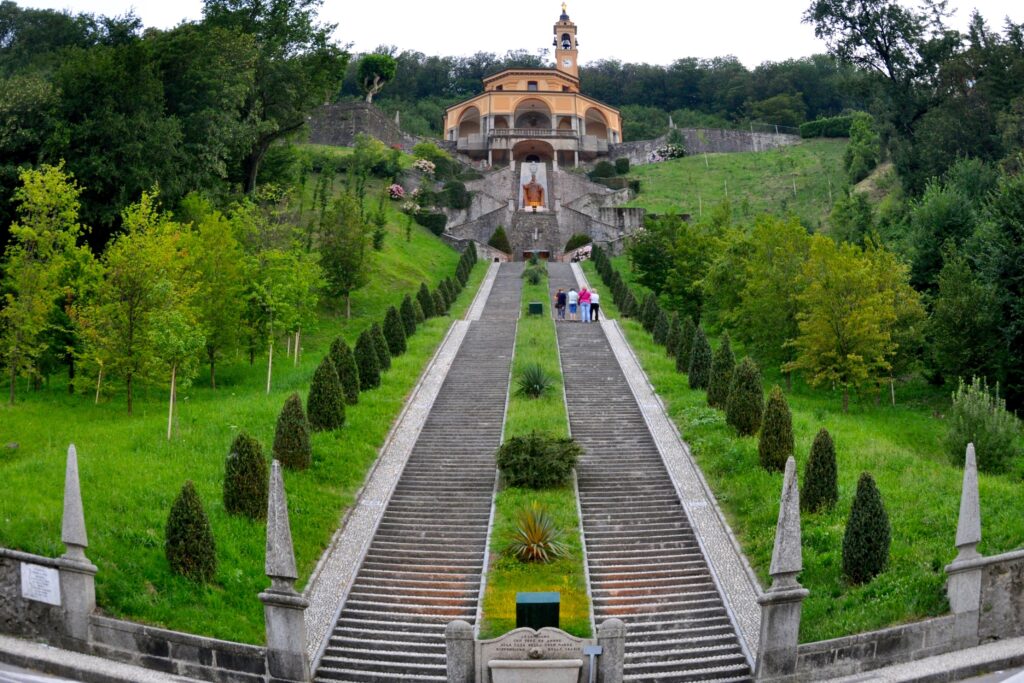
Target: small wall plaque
40 583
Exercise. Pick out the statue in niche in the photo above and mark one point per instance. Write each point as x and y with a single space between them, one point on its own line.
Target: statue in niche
533 193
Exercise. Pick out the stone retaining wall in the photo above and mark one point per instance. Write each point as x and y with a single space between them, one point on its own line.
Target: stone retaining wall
1002 596
701 140
124 641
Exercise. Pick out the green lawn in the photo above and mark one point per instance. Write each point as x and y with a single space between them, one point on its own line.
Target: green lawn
753 182
131 474
536 343
899 446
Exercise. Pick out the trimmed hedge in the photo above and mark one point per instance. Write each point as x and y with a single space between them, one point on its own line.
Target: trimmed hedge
775 444
292 446
867 537
245 478
537 461
188 544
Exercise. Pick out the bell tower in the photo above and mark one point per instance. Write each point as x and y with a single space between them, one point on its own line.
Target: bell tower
565 46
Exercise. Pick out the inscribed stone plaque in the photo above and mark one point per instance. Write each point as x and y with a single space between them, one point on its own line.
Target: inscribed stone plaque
525 643
40 583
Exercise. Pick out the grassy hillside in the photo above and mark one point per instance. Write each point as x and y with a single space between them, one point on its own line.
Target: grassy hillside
901 446
131 473
794 179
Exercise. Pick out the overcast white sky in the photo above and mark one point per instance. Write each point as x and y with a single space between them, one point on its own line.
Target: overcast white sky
653 32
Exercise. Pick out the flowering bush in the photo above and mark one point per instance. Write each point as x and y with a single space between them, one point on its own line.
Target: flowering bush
410 208
396 191
669 151
425 166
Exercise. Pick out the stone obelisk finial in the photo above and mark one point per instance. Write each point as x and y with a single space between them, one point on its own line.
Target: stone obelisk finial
72 532
968 528
787 556
77 574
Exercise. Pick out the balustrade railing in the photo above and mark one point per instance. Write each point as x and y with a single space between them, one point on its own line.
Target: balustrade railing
532 133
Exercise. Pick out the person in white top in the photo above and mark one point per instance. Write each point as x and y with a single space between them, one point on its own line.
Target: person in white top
595 305
574 299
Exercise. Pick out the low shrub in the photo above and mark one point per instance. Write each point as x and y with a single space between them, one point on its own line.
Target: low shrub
661 326
188 544
603 169
533 381
440 305
435 222
622 166
456 196
426 301
979 416
867 537
821 475
675 330
832 127
536 537
775 444
576 241
499 240
408 312
533 274
684 349
745 407
537 461
292 446
348 373
245 478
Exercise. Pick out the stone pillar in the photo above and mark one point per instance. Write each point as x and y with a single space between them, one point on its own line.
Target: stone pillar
283 608
611 636
77 573
964 585
460 651
781 605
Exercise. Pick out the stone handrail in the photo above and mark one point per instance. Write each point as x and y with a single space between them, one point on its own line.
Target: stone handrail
532 133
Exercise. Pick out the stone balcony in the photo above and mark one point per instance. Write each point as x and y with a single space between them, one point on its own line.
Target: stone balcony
506 138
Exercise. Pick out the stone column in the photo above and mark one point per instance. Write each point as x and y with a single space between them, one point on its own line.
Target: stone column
611 636
283 607
77 573
460 651
964 584
781 605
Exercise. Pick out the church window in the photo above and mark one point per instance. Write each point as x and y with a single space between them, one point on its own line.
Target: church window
531 85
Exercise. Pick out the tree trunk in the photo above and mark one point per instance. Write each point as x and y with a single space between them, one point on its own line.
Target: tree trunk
211 353
71 373
128 382
288 349
892 390
298 338
170 406
99 382
14 378
846 399
789 382
348 306
270 363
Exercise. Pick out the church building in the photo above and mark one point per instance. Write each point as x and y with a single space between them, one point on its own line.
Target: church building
536 114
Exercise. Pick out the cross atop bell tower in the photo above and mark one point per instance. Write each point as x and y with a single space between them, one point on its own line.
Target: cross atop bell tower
565 46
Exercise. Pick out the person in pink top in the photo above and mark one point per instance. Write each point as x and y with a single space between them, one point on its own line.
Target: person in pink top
585 305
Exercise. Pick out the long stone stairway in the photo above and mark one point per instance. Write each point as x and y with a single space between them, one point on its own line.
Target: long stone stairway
424 565
645 564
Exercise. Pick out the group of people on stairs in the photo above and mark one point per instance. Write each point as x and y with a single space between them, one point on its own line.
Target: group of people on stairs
586 303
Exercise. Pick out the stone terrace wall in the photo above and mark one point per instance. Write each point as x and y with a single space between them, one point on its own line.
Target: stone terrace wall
1002 597
701 140
153 648
338 124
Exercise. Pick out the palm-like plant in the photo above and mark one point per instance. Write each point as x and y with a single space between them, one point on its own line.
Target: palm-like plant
534 381
536 537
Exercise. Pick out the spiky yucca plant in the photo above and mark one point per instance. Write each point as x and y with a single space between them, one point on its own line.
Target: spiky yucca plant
533 381
536 537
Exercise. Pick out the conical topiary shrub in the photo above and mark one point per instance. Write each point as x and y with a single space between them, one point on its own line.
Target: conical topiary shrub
381 344
745 406
723 362
291 438
775 444
866 542
661 328
649 312
366 361
675 329
394 332
426 301
440 305
700 361
326 402
821 476
419 312
345 365
499 240
684 349
408 312
245 478
188 542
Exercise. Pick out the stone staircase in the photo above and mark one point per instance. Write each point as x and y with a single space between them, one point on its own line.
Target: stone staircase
645 564
424 565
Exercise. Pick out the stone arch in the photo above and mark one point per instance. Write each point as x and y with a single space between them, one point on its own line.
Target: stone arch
528 148
597 124
532 112
469 122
